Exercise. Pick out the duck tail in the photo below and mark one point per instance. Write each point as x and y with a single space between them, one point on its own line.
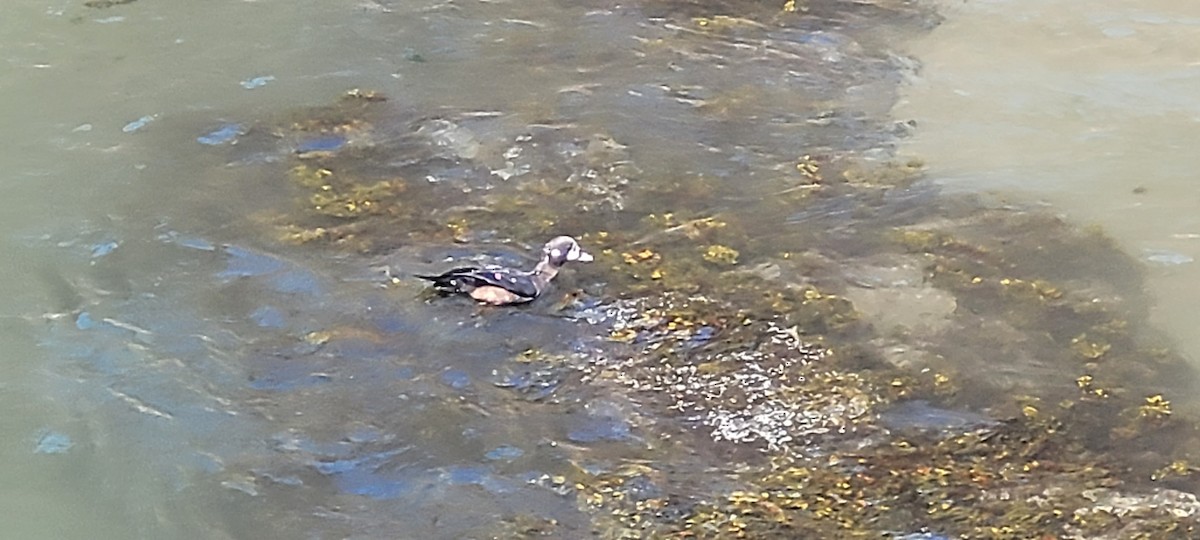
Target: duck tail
442 283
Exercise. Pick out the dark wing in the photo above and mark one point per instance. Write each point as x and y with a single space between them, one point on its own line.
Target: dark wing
466 278
516 281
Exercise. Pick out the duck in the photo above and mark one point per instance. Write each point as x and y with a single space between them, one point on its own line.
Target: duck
502 286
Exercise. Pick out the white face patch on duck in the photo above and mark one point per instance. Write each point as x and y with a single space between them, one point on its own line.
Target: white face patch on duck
577 254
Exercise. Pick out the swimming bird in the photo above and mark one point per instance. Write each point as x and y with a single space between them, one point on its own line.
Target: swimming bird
500 286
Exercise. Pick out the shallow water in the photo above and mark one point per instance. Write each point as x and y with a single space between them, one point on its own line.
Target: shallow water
1083 105
173 369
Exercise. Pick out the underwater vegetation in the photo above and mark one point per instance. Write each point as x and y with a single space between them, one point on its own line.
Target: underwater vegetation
820 345
769 360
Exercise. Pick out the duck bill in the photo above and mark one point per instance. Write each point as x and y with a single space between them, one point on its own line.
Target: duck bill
584 257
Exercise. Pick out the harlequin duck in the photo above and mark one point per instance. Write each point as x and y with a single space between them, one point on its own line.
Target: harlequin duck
499 286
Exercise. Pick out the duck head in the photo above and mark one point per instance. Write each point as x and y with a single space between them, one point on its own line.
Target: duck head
562 250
